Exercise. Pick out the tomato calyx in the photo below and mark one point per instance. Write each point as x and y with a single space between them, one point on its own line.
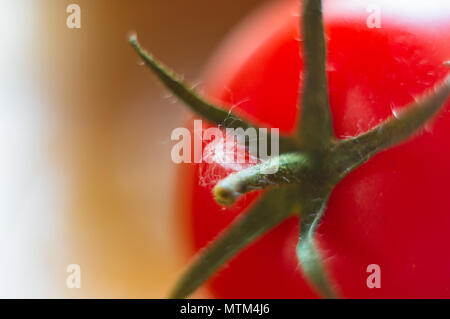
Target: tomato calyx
311 162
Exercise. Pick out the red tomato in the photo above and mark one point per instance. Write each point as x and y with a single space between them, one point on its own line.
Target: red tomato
393 211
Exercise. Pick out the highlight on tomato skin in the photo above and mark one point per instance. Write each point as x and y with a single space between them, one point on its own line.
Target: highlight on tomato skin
394 210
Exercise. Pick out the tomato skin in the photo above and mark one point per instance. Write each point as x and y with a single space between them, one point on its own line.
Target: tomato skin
394 211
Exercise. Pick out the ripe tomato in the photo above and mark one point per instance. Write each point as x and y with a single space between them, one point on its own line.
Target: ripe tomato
394 211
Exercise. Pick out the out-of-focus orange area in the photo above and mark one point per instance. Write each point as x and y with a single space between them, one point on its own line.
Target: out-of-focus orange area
87 176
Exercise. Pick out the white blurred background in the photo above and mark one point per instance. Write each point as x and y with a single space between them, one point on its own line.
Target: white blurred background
31 190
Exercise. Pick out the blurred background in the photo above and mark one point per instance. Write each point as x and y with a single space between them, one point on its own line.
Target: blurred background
85 172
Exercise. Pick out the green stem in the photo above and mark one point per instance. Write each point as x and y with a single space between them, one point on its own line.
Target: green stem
315 128
308 254
273 208
311 261
282 170
353 152
185 92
